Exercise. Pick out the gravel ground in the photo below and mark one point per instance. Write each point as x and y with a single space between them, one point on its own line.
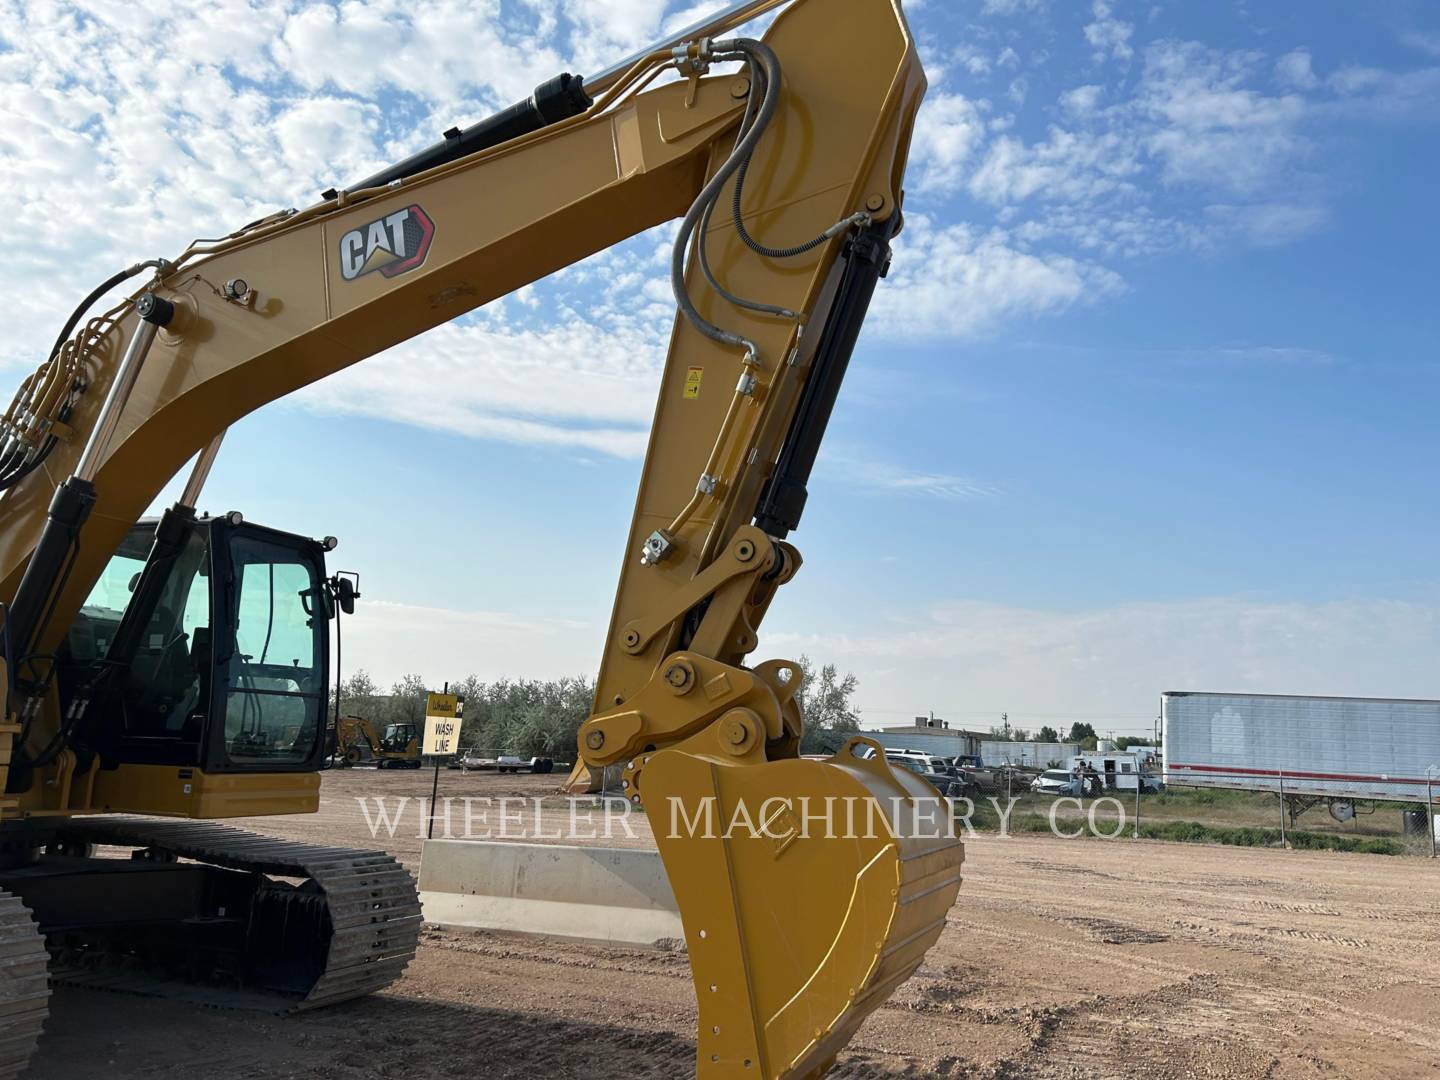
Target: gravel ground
1062 959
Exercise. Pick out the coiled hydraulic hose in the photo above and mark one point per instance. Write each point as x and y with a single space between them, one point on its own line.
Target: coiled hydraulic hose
765 77
756 53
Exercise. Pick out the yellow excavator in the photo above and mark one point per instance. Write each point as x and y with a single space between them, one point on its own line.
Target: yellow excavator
357 741
160 674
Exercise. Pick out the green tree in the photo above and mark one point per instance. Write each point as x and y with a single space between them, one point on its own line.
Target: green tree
358 695
825 700
1080 732
407 700
474 711
1047 734
535 718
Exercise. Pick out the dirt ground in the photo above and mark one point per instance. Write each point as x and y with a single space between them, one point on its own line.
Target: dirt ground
1069 960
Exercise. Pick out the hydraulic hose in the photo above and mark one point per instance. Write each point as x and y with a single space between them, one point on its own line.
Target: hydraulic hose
765 73
757 53
13 474
703 256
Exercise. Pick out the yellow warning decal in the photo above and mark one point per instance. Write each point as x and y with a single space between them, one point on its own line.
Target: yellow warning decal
693 376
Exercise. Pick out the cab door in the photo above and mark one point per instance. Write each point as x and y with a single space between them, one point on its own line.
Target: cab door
270 638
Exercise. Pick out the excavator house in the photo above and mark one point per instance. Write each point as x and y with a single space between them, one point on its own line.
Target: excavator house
163 674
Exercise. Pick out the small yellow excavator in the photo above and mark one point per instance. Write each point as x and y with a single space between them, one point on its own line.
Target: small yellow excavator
357 742
159 675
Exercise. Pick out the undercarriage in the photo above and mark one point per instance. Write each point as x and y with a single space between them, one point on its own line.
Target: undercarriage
197 911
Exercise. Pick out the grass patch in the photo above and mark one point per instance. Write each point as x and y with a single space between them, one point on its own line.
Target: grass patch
1028 817
1202 797
1193 832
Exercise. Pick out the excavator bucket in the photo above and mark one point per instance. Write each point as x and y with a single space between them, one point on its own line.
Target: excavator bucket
809 890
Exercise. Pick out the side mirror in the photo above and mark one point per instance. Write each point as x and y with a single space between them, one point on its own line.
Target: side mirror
346 594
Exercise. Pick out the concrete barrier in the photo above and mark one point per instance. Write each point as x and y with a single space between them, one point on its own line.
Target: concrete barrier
612 895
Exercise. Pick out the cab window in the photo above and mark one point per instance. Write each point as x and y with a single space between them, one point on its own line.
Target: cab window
274 694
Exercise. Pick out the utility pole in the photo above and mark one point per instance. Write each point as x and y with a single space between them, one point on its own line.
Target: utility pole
1005 720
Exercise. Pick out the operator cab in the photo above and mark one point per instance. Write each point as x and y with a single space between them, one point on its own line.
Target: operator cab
398 737
224 663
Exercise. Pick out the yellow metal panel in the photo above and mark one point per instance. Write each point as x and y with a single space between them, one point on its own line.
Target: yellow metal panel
171 792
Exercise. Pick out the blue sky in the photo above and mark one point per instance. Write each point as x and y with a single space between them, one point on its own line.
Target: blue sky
1147 402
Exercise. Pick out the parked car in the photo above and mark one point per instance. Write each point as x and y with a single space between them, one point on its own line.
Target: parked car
930 761
1151 784
1059 782
505 763
945 782
1015 780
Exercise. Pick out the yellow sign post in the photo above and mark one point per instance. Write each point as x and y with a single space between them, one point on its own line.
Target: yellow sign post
442 724
442 737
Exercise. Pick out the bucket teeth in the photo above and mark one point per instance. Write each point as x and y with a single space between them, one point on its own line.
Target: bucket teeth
809 892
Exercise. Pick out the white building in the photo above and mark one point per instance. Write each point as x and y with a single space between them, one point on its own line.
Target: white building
931 736
1039 755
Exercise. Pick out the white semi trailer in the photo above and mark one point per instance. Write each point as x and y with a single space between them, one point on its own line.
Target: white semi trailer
1315 749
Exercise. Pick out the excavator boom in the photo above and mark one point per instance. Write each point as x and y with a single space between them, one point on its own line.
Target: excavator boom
783 161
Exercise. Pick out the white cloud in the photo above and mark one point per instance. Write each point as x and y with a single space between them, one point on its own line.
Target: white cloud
1426 43
974 59
1011 7
1082 100
125 134
1294 70
947 133
577 384
980 657
1209 128
1391 93
1125 231
1251 355
1192 134
607 30
1107 35
955 281
320 133
429 48
390 639
869 475
1269 224
1068 166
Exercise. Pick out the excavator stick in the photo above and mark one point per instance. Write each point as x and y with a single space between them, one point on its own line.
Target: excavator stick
809 890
